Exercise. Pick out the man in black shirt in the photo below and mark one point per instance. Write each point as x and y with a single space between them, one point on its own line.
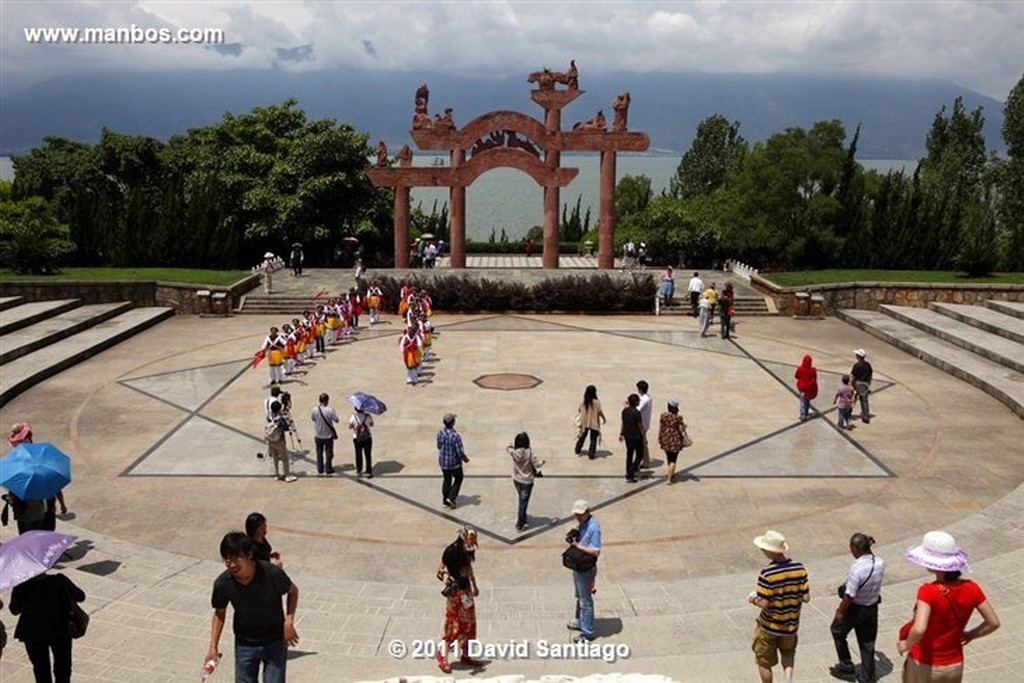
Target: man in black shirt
861 373
262 630
632 432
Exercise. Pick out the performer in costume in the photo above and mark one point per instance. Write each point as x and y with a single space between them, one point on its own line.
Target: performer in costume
290 353
273 347
319 320
301 338
374 301
333 321
411 346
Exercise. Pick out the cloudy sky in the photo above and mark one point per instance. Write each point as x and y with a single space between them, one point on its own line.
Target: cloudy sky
979 45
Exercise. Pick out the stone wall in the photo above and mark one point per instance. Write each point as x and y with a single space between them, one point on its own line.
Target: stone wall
181 297
870 295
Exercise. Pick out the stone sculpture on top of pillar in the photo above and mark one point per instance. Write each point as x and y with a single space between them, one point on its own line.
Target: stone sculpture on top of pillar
509 139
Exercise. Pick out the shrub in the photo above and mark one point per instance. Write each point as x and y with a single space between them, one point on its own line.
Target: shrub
599 293
32 241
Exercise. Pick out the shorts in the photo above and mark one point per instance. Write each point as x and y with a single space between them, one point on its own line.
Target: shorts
767 647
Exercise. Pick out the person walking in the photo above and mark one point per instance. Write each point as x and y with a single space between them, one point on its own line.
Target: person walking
362 441
843 401
934 641
806 385
267 268
704 317
525 467
42 602
587 538
858 611
450 456
460 591
263 631
672 436
782 589
590 418
694 289
324 435
646 409
861 373
256 530
632 433
725 312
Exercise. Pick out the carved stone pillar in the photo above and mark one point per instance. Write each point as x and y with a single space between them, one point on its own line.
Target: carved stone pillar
457 217
552 194
606 235
401 224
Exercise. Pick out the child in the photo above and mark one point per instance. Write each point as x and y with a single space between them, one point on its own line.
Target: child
844 402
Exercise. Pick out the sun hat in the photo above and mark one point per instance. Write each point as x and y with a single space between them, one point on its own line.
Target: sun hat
673 403
860 353
580 507
939 551
19 432
772 541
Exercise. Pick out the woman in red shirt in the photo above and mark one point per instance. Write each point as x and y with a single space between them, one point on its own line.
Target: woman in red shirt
806 385
934 642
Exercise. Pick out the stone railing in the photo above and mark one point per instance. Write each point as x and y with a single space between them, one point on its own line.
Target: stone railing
741 269
182 297
870 295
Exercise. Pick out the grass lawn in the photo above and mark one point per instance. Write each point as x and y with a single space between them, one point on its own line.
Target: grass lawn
187 275
824 277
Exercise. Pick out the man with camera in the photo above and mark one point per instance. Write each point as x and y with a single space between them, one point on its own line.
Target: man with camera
276 428
586 540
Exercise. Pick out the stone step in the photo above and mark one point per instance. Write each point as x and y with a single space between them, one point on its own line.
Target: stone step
1014 308
24 315
24 372
51 330
999 381
10 301
993 347
982 317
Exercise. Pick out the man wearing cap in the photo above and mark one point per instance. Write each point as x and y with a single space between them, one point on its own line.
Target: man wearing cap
586 537
450 456
861 373
782 588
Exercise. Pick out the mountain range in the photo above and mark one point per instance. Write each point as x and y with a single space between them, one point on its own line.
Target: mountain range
895 115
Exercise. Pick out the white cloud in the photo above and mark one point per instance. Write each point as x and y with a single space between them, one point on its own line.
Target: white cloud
977 44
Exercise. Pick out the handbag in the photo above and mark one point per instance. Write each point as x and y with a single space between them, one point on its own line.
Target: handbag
687 441
575 559
78 618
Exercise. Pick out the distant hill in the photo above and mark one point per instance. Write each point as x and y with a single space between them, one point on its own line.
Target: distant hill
895 115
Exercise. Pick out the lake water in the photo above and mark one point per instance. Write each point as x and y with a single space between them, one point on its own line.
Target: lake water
508 199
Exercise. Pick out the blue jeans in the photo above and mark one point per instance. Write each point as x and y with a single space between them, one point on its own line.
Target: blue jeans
805 407
585 601
524 491
274 657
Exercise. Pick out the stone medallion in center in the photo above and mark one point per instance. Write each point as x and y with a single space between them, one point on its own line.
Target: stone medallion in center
507 381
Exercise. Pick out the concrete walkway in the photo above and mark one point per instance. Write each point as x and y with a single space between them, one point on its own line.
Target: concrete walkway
164 432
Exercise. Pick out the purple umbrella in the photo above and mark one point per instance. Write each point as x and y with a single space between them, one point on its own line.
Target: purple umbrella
367 404
30 555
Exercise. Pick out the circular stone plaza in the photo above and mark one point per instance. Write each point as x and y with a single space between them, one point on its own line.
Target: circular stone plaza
164 429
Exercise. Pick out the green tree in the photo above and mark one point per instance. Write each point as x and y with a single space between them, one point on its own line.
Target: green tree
950 178
632 195
979 247
32 240
1011 184
715 156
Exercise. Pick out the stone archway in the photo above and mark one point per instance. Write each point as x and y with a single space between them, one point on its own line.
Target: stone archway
509 139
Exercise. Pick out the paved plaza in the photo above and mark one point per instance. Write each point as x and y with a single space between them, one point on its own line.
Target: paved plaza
165 428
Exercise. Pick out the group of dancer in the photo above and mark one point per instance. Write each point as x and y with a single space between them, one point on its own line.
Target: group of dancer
415 306
332 322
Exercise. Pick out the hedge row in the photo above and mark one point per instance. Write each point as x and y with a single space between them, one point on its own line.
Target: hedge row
600 293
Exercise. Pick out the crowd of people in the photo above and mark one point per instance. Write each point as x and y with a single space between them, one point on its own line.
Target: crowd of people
854 388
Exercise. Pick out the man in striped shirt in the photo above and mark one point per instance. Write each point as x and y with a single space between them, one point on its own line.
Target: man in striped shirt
782 589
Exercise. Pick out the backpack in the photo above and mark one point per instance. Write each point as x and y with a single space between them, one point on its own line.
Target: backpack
362 432
273 431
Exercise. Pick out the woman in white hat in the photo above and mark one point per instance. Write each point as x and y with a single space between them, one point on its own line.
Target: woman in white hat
935 638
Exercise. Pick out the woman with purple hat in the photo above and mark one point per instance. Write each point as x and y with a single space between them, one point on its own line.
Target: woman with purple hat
934 640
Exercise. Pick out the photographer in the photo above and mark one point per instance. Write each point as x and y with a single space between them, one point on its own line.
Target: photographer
587 539
276 428
282 397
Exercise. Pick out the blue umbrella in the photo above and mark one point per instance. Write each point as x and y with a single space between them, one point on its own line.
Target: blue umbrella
29 555
367 404
35 471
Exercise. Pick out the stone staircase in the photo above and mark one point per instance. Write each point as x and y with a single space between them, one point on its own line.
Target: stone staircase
982 345
39 339
743 306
